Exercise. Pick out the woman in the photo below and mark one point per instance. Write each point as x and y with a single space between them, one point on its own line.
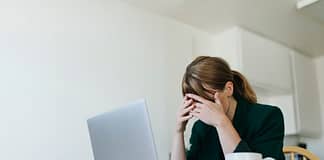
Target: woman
230 119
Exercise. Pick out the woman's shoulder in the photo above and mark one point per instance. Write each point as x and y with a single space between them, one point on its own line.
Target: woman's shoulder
258 109
262 115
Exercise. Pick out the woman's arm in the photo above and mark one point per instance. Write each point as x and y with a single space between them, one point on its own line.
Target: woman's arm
228 136
178 148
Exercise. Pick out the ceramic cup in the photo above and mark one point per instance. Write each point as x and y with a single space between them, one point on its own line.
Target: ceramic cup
245 156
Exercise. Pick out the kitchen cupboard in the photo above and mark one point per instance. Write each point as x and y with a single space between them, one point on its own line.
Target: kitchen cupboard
264 62
306 95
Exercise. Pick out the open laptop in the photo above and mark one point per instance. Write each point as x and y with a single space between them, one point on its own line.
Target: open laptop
123 134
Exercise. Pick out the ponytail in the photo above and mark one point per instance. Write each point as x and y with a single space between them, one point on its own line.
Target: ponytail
243 88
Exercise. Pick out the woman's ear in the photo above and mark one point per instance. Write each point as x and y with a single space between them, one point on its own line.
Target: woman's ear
229 88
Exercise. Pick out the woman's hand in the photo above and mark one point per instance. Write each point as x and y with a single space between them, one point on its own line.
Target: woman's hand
211 113
183 114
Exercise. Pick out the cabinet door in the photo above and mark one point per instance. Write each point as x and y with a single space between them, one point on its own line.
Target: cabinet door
266 63
306 96
285 103
224 45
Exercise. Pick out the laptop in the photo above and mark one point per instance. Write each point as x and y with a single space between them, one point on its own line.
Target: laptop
123 134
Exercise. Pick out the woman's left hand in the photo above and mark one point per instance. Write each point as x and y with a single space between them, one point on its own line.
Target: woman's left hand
211 113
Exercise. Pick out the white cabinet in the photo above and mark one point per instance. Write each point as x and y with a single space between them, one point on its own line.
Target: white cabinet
264 62
306 96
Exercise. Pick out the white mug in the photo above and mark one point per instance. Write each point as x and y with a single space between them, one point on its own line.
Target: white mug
245 156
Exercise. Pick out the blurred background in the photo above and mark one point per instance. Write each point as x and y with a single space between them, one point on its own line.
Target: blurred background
64 61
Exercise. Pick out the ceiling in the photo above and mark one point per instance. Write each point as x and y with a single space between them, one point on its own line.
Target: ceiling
280 20
314 10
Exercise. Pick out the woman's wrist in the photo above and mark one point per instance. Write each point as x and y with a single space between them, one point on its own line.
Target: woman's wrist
228 134
178 135
222 122
179 132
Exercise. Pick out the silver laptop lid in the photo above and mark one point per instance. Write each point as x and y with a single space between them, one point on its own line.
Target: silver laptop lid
123 134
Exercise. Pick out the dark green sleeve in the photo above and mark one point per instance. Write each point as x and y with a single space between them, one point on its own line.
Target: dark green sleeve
193 151
269 138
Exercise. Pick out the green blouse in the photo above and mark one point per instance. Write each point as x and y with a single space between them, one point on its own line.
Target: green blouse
261 128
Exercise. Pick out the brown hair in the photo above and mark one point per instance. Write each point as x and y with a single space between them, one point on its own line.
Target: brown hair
214 72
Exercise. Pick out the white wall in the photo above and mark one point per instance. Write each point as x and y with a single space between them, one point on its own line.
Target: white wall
63 61
316 144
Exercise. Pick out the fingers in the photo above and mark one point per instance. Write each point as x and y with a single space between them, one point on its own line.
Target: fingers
195 114
200 105
186 118
187 103
198 98
187 110
196 110
185 98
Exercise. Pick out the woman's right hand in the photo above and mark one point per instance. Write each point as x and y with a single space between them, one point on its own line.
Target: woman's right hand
183 114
